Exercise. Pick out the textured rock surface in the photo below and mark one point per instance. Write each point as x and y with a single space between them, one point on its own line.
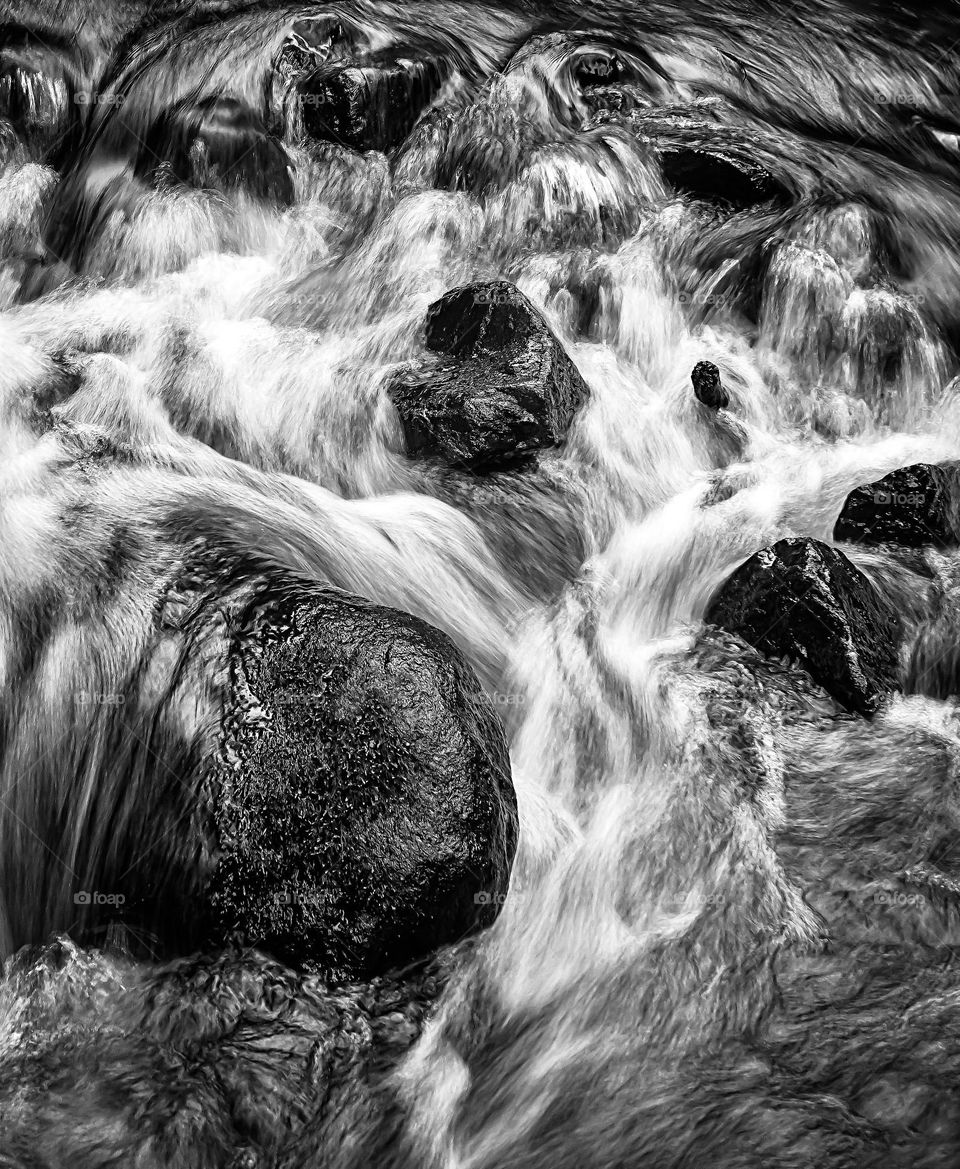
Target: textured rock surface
707 386
721 178
913 507
804 600
366 813
227 1060
370 106
502 386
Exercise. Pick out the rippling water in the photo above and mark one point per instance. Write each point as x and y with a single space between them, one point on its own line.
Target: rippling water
690 968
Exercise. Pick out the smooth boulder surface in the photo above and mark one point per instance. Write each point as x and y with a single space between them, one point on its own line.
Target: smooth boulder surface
707 386
371 105
912 507
804 600
502 387
366 812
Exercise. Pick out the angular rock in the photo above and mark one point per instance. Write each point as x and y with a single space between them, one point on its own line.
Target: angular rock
707 386
804 600
502 386
369 106
366 814
913 507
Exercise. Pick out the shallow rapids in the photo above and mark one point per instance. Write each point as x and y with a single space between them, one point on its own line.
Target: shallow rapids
690 967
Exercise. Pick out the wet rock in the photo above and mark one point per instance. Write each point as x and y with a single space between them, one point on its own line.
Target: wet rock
369 106
804 600
912 507
366 812
721 178
501 388
598 69
268 1065
707 386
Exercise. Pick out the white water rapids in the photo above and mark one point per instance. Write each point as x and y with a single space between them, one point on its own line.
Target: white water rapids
690 836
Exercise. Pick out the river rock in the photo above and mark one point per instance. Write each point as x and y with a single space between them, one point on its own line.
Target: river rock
708 387
804 600
368 106
366 814
720 178
912 507
501 386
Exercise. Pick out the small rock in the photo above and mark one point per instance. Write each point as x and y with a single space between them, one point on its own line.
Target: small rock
913 507
721 178
372 106
708 387
501 388
804 600
598 69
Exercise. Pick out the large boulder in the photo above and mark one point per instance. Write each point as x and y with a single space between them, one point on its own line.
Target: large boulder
501 387
366 814
912 507
350 805
369 105
804 600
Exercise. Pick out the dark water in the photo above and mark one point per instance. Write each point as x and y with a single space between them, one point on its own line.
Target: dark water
712 952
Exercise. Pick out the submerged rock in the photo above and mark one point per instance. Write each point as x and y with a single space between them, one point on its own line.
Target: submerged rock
502 386
220 144
707 386
804 600
267 1065
721 178
913 507
366 814
369 106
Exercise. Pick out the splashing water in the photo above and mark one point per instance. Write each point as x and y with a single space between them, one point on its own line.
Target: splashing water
684 972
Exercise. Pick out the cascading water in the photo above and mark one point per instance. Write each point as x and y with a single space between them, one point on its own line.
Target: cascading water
689 968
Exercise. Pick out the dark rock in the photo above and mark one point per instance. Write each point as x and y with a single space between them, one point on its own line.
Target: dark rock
708 387
912 507
598 69
804 600
267 1065
369 106
721 178
370 817
502 387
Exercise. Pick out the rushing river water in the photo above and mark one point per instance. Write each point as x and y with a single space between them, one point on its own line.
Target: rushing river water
690 968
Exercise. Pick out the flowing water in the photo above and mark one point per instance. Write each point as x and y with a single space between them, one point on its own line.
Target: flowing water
691 967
